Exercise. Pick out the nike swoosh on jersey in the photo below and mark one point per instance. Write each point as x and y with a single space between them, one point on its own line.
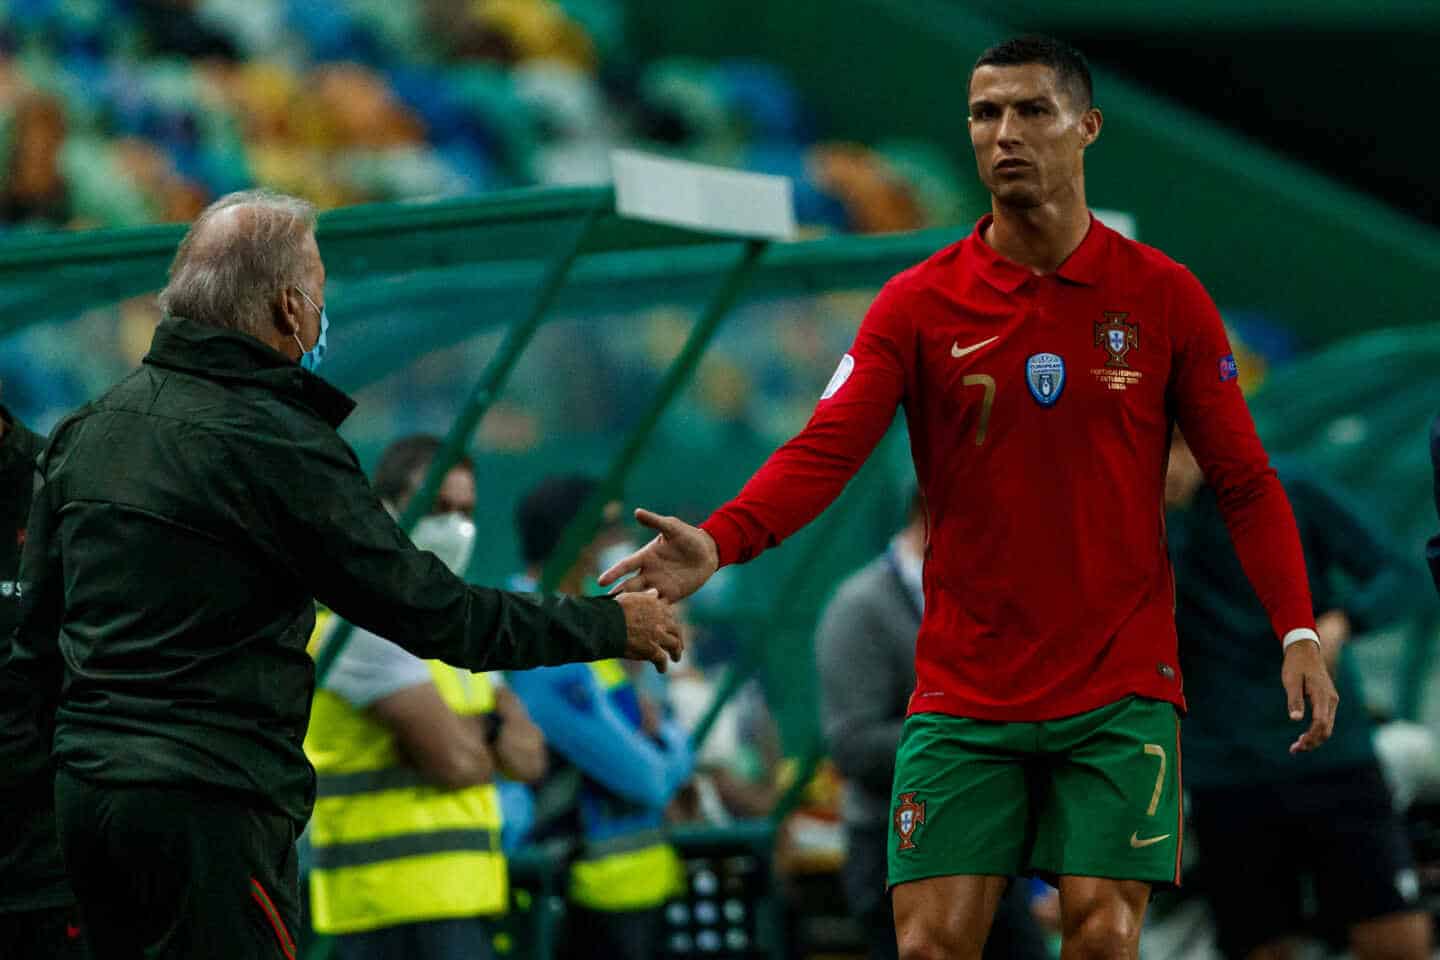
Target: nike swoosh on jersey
1137 843
957 352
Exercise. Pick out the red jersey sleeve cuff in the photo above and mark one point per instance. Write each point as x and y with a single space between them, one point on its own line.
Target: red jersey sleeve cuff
728 537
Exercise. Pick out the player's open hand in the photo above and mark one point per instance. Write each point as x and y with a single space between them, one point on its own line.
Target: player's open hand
676 563
1306 678
651 630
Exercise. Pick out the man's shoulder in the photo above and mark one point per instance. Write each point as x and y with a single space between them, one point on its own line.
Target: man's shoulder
179 399
1131 257
936 270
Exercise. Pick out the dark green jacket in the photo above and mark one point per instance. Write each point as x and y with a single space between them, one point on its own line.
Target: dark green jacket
19 455
32 876
1432 549
1237 730
187 523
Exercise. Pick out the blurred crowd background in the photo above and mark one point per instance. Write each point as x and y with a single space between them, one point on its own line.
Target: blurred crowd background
123 112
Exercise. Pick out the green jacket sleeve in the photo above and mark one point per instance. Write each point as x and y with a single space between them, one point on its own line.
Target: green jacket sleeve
347 550
1432 549
30 664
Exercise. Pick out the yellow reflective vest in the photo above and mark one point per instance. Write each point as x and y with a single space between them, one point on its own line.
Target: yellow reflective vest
389 847
633 871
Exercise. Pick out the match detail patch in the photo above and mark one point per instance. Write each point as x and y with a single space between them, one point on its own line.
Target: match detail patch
842 373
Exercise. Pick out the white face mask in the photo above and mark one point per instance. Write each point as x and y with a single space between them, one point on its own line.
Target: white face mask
450 536
613 554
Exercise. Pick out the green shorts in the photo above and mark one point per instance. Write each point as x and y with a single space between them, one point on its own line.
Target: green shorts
1093 795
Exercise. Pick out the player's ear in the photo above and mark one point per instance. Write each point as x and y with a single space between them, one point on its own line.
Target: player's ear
1090 123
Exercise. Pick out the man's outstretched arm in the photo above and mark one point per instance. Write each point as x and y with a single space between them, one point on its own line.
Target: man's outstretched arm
799 480
346 549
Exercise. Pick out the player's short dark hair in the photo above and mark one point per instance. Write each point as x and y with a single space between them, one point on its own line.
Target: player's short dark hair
1071 70
395 473
546 510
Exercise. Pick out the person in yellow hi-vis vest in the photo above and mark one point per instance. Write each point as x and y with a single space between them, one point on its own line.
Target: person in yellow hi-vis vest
407 858
632 758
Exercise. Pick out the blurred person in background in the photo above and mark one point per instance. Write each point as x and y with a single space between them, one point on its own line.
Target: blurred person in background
185 524
1275 831
37 910
1041 362
739 767
407 859
35 193
1432 551
632 759
865 651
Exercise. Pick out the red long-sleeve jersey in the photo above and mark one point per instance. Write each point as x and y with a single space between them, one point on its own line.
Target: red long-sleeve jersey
1040 410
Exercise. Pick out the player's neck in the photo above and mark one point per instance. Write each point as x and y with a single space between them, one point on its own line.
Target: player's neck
1042 237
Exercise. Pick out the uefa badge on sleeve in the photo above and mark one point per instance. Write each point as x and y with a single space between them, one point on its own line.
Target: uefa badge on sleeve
1229 369
1045 376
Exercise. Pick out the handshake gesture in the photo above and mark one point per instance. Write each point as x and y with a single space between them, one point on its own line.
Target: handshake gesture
669 568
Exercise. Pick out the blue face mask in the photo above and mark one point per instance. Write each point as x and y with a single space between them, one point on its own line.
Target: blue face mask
310 359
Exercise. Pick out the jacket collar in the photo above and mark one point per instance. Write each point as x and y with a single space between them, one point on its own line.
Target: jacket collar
227 356
1082 267
19 445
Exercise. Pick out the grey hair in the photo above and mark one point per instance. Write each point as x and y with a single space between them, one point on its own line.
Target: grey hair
238 255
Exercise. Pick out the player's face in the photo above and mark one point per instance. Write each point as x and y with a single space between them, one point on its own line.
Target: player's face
1028 133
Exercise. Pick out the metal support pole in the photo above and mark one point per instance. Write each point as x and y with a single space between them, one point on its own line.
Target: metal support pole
795 584
582 528
486 389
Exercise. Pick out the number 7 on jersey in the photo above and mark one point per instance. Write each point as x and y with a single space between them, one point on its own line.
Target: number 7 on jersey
988 382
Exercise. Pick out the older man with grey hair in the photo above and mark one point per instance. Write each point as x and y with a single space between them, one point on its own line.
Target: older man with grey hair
186 523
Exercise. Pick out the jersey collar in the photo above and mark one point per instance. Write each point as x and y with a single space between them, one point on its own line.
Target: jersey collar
1082 267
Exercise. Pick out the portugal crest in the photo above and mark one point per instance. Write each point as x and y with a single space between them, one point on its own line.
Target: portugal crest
908 816
1117 337
1045 376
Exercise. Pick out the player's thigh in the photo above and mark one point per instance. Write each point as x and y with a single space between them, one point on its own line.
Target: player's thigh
946 916
1113 806
960 804
1250 852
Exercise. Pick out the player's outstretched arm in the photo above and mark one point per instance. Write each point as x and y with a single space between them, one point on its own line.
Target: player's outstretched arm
676 563
1306 678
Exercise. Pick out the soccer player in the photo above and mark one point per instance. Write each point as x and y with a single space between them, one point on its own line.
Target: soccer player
1041 363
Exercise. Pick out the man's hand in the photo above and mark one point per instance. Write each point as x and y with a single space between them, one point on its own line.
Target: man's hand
676 563
651 630
1304 676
